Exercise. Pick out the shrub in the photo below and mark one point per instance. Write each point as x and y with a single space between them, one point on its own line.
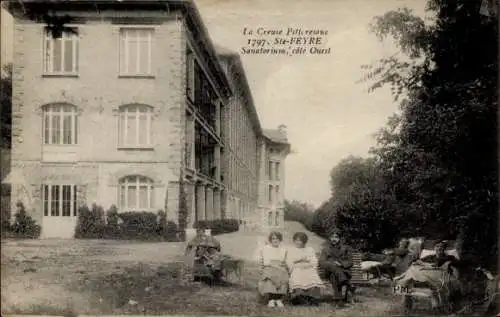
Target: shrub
128 225
112 216
6 228
300 212
161 228
138 225
171 232
167 230
90 224
24 226
219 226
112 230
5 214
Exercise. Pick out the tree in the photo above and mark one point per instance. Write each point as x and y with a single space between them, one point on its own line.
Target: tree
363 205
300 212
324 218
441 159
6 104
351 176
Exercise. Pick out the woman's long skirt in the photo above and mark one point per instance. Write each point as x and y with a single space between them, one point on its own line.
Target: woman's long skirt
305 282
273 281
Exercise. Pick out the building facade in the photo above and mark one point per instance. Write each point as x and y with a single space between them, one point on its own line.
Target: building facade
274 150
130 105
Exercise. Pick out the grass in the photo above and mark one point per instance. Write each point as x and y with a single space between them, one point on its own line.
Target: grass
54 277
144 290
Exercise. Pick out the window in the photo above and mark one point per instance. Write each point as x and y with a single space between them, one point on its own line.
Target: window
205 97
60 124
277 171
190 75
204 152
270 195
59 200
135 51
270 219
270 170
277 193
277 219
190 141
61 53
135 126
136 193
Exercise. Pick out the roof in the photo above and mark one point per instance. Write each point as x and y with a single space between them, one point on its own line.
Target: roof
234 60
275 135
98 1
224 51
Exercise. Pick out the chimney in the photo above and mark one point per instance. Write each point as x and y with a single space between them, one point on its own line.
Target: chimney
282 129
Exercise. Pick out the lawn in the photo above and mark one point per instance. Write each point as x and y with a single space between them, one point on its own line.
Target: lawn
113 277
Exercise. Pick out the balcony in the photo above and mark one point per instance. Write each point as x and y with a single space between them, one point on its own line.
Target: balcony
201 151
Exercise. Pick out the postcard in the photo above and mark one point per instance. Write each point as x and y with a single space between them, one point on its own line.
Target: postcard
249 158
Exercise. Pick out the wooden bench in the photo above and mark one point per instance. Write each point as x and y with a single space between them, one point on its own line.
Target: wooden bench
358 277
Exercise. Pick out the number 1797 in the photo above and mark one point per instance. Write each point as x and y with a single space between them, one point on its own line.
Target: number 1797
257 42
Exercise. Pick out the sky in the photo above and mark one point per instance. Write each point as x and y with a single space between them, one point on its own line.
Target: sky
6 28
328 115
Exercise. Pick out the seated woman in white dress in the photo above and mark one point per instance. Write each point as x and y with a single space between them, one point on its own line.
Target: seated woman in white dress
273 282
305 283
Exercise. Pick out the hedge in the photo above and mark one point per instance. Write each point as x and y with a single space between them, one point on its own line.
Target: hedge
218 226
141 225
90 222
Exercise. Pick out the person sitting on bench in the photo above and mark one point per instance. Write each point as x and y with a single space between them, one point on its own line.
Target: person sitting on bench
438 272
205 250
399 259
336 261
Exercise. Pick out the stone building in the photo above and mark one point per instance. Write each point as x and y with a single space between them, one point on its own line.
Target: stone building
132 105
274 150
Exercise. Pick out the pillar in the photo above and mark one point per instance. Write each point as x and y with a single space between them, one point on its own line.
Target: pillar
209 206
218 125
200 202
223 204
172 197
262 188
190 205
229 214
190 144
217 204
218 161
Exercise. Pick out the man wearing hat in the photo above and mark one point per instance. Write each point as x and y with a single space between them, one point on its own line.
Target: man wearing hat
336 261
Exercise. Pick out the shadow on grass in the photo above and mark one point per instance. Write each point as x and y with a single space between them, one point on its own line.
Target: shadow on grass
142 289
